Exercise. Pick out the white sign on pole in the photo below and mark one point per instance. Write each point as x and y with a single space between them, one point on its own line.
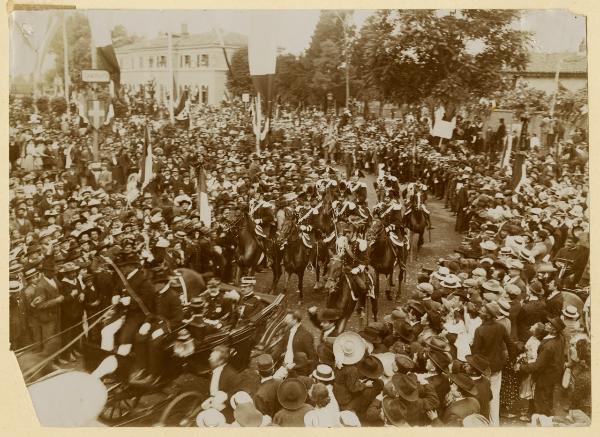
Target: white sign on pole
245 97
95 76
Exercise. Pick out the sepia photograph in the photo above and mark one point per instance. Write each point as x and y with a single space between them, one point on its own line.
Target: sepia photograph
300 218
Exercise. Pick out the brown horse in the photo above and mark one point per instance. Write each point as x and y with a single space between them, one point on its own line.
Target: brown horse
249 252
324 231
342 295
416 221
385 252
295 254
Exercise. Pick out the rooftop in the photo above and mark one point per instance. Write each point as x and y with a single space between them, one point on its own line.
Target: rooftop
202 39
570 62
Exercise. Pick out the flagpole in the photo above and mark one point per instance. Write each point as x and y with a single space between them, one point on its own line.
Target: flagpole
66 62
258 122
94 56
171 88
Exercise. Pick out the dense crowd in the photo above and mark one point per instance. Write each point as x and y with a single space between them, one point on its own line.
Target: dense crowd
487 332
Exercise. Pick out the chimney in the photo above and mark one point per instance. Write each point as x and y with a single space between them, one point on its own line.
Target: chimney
184 29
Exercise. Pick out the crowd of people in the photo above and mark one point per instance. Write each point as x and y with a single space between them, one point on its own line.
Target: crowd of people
487 333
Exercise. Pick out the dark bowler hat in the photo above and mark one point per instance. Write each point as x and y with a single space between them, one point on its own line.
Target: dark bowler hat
265 363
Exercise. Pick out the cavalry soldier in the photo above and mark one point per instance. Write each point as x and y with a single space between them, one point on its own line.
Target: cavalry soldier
418 189
355 258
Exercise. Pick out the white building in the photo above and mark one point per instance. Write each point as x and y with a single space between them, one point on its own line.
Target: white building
198 63
540 72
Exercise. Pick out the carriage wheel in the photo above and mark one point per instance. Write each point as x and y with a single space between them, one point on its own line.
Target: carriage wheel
121 402
182 410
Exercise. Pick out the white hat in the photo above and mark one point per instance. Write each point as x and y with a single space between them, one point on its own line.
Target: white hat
349 348
210 418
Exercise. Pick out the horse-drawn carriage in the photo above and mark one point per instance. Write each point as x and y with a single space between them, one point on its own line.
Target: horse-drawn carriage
186 351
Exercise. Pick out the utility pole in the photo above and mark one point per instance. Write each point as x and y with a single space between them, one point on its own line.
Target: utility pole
66 62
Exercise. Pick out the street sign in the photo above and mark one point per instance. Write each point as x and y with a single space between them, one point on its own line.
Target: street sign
245 97
95 76
96 113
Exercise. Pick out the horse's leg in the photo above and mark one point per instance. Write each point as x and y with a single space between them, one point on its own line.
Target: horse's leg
401 273
315 256
276 268
300 284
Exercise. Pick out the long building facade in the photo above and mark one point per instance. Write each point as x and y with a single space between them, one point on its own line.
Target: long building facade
198 64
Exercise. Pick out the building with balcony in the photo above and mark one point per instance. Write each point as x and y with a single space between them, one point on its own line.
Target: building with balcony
198 63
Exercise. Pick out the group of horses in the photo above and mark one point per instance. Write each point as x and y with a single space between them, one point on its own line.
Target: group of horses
312 242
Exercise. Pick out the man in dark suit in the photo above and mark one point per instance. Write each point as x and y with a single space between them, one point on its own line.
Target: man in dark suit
223 376
548 369
46 302
491 340
297 339
265 398
533 310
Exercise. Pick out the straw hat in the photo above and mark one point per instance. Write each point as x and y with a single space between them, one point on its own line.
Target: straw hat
349 347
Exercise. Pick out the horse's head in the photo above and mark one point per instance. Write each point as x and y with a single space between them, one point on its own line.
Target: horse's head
333 273
374 231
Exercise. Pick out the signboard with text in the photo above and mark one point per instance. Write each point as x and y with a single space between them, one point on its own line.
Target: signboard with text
95 76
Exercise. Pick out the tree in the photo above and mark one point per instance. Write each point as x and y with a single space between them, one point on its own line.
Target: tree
121 37
325 58
238 79
450 56
58 105
79 45
290 79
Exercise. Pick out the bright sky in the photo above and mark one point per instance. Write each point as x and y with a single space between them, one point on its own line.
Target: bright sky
554 30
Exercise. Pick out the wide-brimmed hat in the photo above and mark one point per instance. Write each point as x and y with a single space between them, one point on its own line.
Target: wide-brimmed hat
464 382
450 281
558 323
406 386
439 358
492 309
503 306
570 312
475 421
404 363
349 347
425 287
246 415
442 273
210 418
323 373
292 394
438 343
68 267
370 367
404 331
492 285
394 411
370 334
488 245
479 363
